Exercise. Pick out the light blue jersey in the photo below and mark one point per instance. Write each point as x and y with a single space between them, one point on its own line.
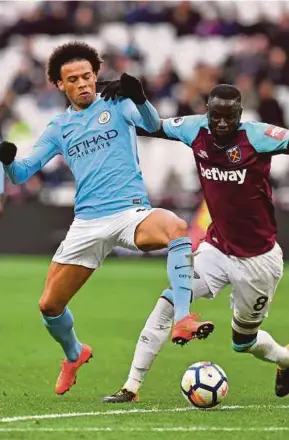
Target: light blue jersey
2 179
99 146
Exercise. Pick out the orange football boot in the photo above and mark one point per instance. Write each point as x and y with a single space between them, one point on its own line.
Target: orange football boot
68 373
189 328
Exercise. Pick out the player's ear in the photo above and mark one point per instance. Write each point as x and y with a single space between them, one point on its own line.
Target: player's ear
241 111
60 85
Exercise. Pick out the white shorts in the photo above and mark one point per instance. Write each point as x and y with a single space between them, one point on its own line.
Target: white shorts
88 242
254 281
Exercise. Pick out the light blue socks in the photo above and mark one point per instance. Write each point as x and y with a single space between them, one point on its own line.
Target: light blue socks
61 329
180 273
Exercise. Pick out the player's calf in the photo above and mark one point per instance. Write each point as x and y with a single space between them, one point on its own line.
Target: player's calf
262 346
244 332
163 228
242 342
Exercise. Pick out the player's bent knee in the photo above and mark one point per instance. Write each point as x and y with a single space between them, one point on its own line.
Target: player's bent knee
179 229
48 308
182 226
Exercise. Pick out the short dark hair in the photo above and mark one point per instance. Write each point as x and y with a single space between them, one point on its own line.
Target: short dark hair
225 91
69 52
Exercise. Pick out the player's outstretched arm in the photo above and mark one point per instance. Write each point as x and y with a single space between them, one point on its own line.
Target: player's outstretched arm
21 170
160 134
266 138
130 87
18 171
183 129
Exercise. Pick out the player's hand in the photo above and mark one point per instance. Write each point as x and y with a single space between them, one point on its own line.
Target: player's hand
127 86
8 152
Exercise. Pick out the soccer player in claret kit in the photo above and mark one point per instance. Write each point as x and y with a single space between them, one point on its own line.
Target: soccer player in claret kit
96 136
233 161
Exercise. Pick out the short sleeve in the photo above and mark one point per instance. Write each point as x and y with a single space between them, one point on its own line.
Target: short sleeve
266 138
184 129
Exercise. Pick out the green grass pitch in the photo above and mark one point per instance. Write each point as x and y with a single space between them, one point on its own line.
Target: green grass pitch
109 313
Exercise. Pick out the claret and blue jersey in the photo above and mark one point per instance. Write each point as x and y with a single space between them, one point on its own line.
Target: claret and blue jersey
99 146
235 181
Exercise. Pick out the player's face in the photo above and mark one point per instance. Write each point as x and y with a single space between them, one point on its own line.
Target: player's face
78 83
224 118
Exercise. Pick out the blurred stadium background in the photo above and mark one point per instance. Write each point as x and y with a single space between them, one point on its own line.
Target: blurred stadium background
180 50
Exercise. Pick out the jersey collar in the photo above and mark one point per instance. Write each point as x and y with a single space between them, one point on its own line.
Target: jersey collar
71 110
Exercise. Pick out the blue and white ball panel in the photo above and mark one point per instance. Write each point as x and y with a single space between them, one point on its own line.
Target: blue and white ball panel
204 385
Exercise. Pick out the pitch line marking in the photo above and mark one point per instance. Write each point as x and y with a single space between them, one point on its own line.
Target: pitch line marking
133 411
155 429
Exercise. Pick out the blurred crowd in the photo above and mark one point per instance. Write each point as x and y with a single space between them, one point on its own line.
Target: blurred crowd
254 38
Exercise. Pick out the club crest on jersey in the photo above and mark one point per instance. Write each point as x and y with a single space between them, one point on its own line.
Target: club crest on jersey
104 117
176 122
234 154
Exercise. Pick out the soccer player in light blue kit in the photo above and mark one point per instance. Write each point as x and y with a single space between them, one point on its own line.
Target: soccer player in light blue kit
97 139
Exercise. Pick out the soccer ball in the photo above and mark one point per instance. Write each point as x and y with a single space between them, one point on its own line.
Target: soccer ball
204 385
